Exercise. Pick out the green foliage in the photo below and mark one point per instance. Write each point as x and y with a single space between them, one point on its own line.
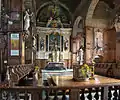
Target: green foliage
85 71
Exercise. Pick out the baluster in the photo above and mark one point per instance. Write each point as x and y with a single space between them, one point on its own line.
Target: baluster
47 92
90 94
96 96
115 94
5 95
35 95
0 94
55 97
119 93
17 96
11 95
109 93
82 97
40 94
8 95
64 95
26 95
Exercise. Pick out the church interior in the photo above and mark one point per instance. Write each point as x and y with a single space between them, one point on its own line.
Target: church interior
75 33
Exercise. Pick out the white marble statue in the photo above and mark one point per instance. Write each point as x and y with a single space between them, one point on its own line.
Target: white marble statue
27 20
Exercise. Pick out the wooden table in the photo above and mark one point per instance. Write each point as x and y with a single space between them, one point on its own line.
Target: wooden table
67 81
98 81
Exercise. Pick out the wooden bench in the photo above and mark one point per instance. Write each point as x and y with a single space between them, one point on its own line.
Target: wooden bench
105 69
16 72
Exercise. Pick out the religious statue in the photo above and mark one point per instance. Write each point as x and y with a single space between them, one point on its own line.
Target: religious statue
65 44
41 44
80 55
27 20
49 22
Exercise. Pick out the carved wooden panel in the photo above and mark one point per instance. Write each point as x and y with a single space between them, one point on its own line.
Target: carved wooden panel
15 16
2 41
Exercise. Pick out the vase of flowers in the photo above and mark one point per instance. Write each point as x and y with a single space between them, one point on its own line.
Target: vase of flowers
83 72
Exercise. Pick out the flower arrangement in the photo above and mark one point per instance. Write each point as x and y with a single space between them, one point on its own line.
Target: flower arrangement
83 72
36 68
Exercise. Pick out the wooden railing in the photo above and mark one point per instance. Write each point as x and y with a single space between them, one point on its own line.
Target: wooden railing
54 93
101 89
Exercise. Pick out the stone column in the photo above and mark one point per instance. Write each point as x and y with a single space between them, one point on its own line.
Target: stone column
105 39
118 46
109 45
89 44
117 27
0 13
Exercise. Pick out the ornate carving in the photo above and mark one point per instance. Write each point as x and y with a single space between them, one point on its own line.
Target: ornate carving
62 31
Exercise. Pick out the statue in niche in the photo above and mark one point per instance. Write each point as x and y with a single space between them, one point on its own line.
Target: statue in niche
56 53
41 44
98 47
65 44
81 55
27 20
55 44
49 22
34 43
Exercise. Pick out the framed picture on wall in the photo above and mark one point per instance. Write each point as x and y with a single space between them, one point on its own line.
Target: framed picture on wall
14 44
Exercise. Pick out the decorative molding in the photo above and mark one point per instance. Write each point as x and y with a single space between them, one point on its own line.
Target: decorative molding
99 23
62 31
59 3
91 9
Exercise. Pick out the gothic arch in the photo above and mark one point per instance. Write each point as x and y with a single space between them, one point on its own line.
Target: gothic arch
91 9
78 19
78 25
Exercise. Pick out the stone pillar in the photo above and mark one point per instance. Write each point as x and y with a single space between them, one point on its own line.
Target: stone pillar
118 46
109 46
117 28
89 44
0 13
105 39
23 52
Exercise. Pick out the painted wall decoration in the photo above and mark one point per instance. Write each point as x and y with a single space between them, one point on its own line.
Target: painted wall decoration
14 44
57 15
54 42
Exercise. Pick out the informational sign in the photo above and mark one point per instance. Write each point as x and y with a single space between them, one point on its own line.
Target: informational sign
14 44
